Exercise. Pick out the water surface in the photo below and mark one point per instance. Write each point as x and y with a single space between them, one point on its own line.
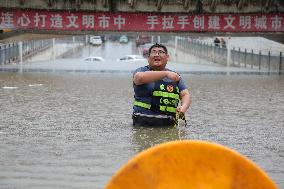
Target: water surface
73 130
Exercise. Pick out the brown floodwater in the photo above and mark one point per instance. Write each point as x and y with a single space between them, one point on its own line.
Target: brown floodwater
73 130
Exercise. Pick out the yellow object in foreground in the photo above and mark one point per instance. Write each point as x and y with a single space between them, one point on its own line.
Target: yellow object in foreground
190 164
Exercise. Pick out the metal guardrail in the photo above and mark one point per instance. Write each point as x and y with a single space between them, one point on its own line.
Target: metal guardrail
14 52
238 57
258 60
10 53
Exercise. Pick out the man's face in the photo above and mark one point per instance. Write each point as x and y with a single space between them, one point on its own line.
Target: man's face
158 58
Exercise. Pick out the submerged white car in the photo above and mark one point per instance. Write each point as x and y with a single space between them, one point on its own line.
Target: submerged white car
132 58
94 59
96 40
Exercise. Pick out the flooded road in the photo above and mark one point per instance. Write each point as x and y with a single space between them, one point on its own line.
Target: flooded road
74 130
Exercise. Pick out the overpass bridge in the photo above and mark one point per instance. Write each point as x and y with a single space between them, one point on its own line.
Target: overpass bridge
181 17
175 6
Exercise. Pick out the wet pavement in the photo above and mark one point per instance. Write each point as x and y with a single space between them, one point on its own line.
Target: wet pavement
111 52
114 66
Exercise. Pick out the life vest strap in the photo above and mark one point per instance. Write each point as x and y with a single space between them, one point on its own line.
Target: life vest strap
166 94
142 104
168 109
161 108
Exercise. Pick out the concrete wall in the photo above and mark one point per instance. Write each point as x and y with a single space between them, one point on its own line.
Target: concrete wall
242 6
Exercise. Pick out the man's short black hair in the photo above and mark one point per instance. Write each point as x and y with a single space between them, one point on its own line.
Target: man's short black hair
158 45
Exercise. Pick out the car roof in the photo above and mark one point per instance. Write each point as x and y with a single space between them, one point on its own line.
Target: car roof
97 57
135 55
94 57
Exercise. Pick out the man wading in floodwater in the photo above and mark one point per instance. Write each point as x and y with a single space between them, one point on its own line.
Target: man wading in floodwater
158 91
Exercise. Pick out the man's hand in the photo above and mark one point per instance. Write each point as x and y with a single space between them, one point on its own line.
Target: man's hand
185 101
173 76
182 109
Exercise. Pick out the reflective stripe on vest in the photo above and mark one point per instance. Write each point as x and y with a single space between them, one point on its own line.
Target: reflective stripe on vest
148 106
168 109
166 94
142 104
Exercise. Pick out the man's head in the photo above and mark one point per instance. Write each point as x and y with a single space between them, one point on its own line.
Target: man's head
159 46
158 57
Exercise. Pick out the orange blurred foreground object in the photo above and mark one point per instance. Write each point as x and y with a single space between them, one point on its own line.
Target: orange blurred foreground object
190 164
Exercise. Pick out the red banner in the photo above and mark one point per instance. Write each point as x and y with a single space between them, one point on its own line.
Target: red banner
125 21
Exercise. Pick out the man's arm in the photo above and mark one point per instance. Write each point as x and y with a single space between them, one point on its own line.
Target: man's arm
185 101
152 76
